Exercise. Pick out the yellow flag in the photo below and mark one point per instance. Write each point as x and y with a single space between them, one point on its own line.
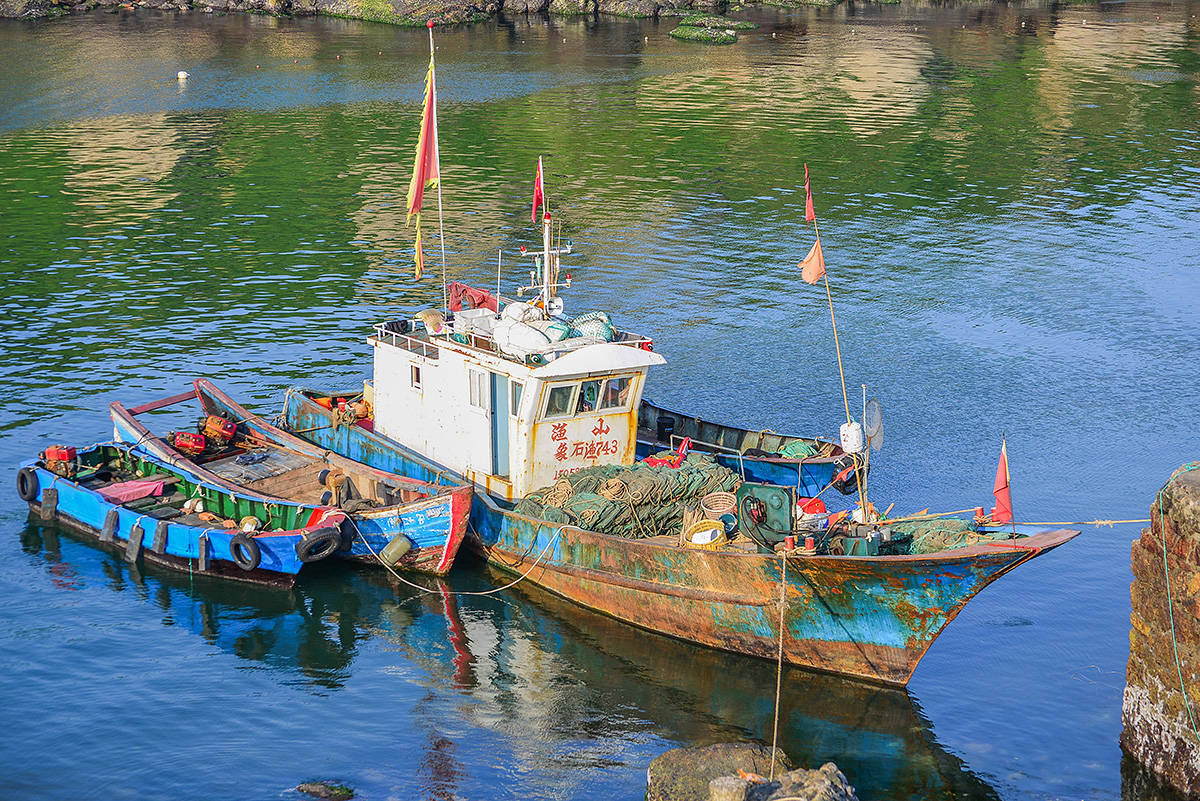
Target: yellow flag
419 257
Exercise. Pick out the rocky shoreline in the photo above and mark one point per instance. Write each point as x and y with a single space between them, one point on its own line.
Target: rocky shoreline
407 13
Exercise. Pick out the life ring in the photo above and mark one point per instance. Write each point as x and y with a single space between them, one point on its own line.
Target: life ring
245 551
27 484
319 544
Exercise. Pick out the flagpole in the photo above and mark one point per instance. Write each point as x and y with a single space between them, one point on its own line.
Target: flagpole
1008 482
862 495
441 227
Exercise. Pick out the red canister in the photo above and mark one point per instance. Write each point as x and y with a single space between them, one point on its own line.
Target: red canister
189 443
59 453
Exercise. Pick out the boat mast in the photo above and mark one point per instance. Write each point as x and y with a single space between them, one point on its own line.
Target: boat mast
547 271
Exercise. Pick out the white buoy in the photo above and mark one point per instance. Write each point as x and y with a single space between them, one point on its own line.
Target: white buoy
851 437
181 75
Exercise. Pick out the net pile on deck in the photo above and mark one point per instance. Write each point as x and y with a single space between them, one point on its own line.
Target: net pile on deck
933 536
633 502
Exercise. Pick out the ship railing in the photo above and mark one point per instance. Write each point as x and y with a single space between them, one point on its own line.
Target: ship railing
413 344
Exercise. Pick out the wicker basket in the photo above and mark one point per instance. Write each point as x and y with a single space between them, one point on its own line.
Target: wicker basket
699 526
715 504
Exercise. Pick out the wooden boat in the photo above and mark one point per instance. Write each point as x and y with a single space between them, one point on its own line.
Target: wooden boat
872 617
430 516
164 514
762 456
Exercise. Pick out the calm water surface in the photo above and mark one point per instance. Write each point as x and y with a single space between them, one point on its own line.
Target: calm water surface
1008 200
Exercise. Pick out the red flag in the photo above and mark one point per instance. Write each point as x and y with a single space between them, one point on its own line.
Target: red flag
813 266
425 166
539 195
809 214
1003 512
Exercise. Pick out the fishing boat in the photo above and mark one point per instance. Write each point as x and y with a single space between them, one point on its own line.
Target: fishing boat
810 464
458 393
539 410
404 522
163 514
867 615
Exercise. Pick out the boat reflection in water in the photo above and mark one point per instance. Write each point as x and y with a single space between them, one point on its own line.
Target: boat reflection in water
566 689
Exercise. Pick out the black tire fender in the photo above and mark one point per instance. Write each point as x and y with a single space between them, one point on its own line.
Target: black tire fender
245 551
319 544
27 484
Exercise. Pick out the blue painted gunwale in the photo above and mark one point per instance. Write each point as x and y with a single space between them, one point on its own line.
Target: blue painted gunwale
869 617
86 510
436 525
808 476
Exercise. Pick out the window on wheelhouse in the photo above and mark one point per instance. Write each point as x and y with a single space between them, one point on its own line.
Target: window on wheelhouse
479 388
515 403
560 401
616 392
589 396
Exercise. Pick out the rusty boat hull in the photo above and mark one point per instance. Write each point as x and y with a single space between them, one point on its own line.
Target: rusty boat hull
873 618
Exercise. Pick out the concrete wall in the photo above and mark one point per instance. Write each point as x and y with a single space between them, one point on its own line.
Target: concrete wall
1158 731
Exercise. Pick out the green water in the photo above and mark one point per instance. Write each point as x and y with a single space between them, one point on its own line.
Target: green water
1007 198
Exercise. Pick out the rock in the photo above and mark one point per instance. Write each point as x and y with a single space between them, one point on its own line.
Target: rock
570 8
1157 726
335 792
728 788
690 33
713 21
683 774
827 783
25 9
636 9
510 7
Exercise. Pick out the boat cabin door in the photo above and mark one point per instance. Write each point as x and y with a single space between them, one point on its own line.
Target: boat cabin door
499 424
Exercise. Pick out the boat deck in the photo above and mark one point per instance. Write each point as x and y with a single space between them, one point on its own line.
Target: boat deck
278 472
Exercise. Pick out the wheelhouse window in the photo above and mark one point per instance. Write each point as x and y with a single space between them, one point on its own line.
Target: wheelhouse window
560 401
589 396
477 379
515 401
616 392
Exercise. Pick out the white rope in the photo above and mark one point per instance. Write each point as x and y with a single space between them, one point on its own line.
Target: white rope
492 591
779 664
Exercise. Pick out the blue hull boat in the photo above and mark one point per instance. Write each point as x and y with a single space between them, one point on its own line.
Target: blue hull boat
869 616
380 507
809 464
161 514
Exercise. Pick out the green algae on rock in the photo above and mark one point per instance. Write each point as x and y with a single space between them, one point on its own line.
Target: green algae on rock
714 21
327 790
690 33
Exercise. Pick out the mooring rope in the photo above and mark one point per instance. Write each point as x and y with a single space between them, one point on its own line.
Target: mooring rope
492 591
779 662
936 515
